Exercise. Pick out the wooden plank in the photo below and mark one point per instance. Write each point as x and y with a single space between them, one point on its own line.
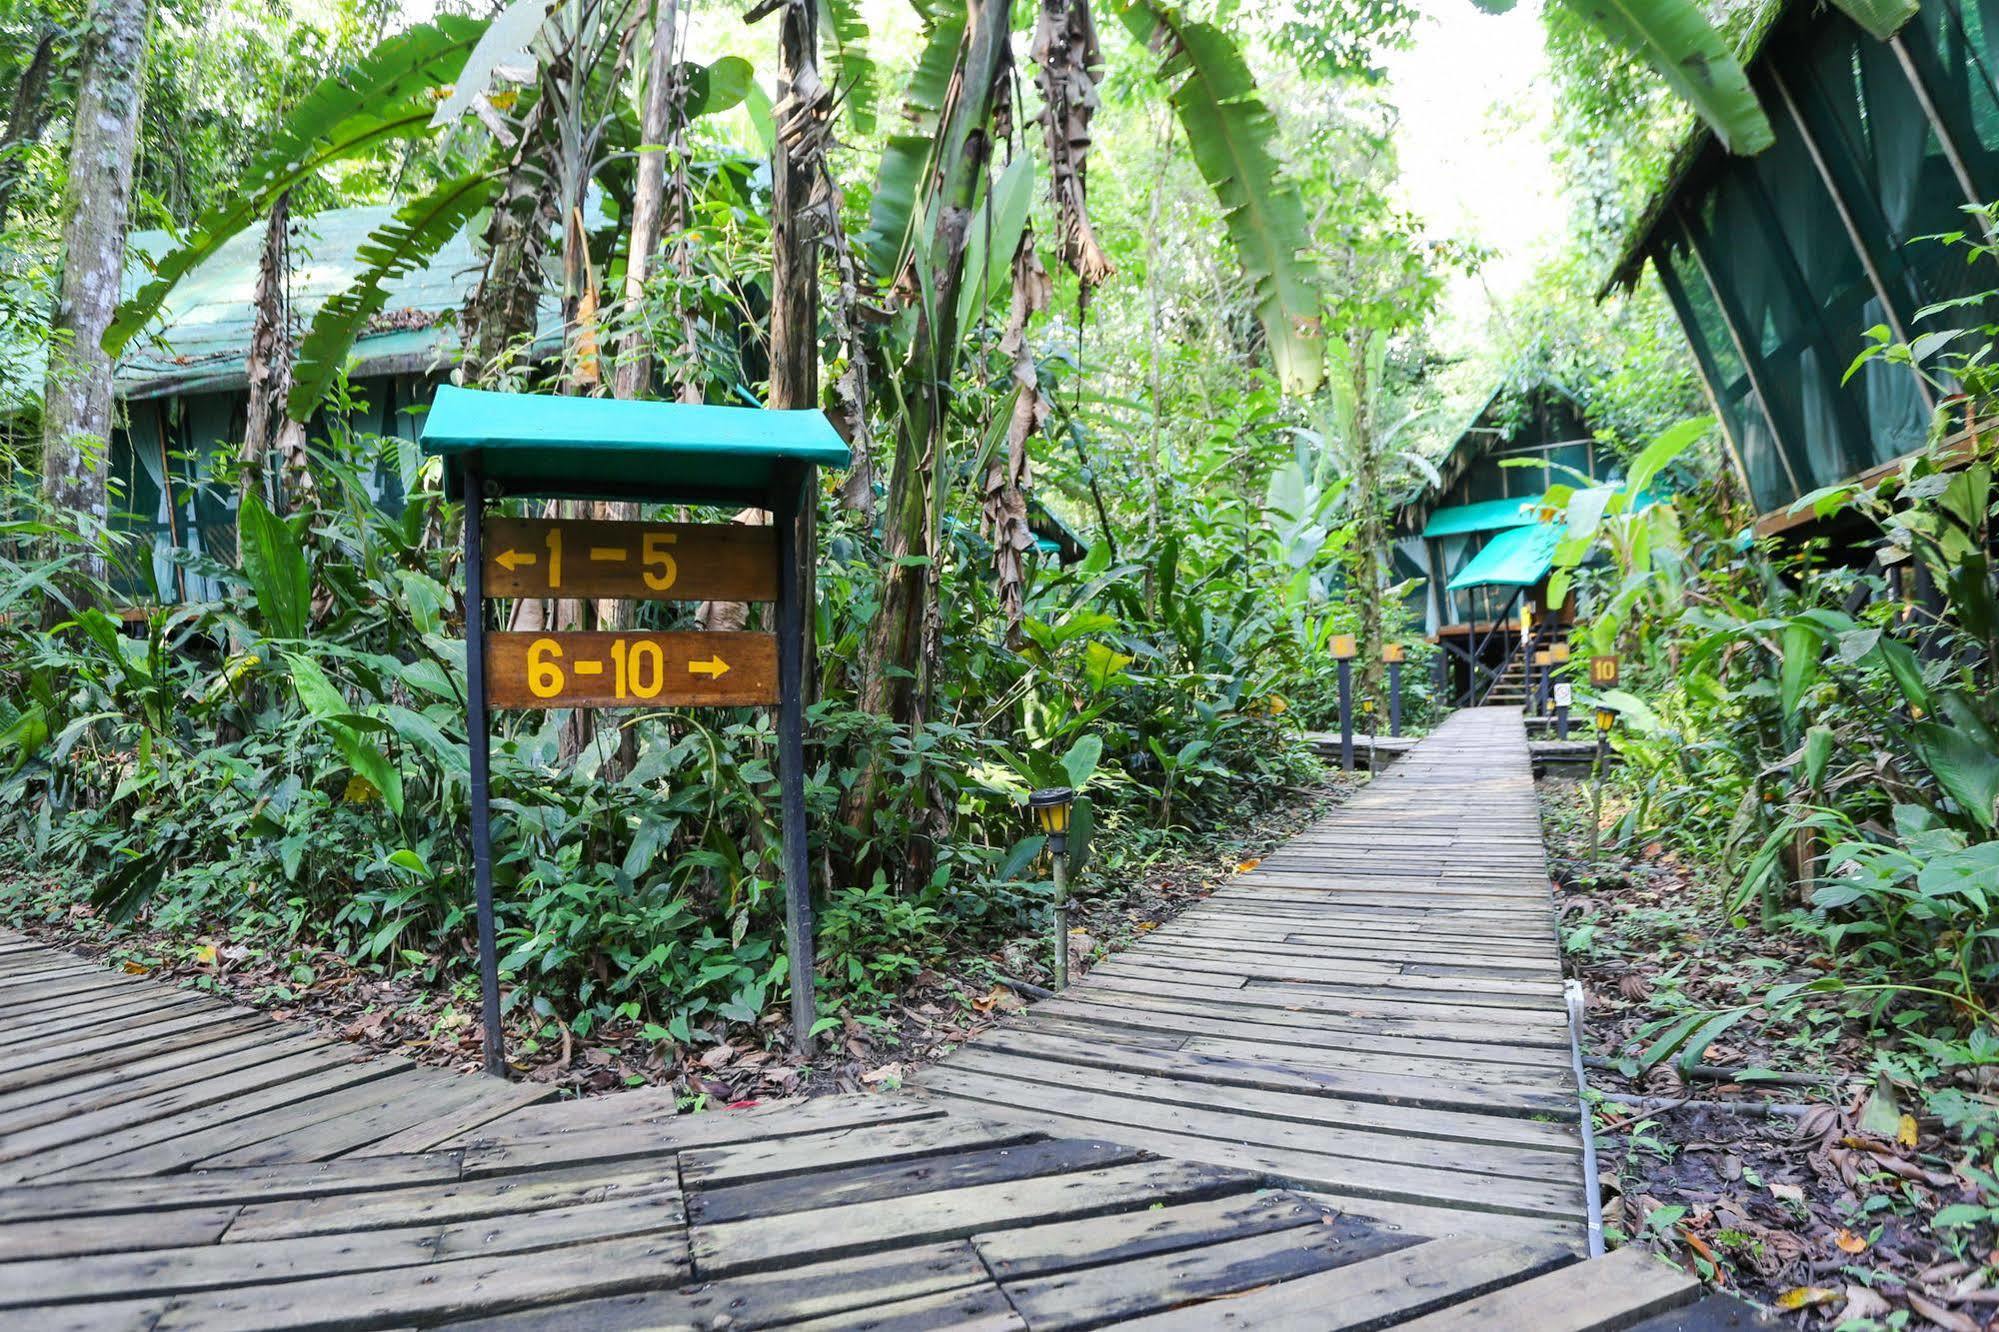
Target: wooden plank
1306 1155
1267 1073
679 668
1624 1288
1369 1294
162 1105
307 1179
159 1271
1062 1245
769 1299
454 1201
928 1218
494 1100
1558 1141
643 1136
1095 1295
902 1181
632 561
778 1158
121 1084
975 1309
75 1236
412 1098
439 1291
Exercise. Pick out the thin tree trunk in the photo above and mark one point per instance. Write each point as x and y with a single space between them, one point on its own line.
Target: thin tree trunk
77 404
898 671
268 368
794 311
26 115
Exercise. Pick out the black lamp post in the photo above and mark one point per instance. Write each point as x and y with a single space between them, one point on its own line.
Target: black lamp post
1050 807
1344 649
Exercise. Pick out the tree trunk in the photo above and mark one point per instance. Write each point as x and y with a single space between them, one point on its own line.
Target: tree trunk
657 126
898 671
1370 531
27 113
268 368
794 309
76 415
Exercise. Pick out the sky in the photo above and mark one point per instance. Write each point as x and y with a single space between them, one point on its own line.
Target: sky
1473 145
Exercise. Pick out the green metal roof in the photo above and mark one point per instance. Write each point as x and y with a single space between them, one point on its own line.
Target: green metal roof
1518 557
1486 516
202 338
547 444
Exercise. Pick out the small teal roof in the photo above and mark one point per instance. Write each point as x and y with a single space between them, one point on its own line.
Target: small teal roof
1517 557
1486 516
594 448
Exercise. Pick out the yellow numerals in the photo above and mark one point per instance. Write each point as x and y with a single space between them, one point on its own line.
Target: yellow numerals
660 569
641 666
638 668
544 676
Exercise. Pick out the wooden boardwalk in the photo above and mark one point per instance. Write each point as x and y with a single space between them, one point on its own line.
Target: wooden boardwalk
1374 1013
168 1161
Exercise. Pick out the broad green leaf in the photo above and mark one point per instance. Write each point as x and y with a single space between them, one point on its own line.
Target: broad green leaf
1102 665
1882 18
1802 646
1675 38
1818 750
505 42
1966 769
1233 137
1663 451
398 247
1081 760
383 97
274 565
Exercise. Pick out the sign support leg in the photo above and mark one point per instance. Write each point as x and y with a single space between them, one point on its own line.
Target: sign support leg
1346 715
1395 698
477 726
794 635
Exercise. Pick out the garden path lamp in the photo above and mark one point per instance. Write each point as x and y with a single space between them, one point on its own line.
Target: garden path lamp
1050 807
1393 654
1344 649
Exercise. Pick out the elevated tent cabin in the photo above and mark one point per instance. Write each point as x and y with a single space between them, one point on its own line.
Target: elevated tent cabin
1777 264
1477 543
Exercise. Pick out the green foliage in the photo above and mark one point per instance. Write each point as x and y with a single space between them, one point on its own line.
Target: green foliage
1230 130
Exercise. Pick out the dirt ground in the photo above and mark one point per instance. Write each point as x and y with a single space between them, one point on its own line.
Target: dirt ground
1780 1168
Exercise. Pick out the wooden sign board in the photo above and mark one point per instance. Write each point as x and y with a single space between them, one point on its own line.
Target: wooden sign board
1603 670
1561 651
1544 658
631 670
587 558
1344 647
1391 652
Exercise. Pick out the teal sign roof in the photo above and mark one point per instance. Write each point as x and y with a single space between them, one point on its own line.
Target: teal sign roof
1487 516
1517 557
595 448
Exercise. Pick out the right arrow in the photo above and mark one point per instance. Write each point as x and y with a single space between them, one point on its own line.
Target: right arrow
712 667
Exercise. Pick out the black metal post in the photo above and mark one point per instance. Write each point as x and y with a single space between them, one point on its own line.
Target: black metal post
1346 714
1395 698
794 637
477 728
1561 721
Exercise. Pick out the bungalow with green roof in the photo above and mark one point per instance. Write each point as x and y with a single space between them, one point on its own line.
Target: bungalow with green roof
1777 264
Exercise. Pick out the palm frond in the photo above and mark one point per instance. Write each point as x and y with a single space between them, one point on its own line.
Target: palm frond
386 95
403 244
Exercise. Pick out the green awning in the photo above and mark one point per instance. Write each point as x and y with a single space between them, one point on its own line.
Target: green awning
605 448
1518 557
1486 516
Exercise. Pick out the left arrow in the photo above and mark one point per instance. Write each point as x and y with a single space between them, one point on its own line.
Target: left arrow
714 666
511 560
